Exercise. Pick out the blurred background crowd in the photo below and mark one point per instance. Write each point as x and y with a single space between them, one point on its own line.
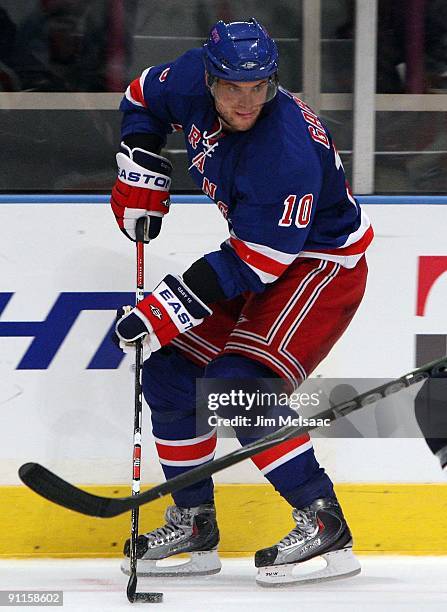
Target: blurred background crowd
85 47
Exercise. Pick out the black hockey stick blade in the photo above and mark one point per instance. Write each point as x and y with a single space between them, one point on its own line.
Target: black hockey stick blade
55 489
133 596
52 487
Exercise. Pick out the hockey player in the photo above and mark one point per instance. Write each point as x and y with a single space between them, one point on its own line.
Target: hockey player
271 301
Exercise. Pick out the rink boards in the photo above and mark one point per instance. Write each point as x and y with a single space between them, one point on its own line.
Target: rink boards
67 400
384 519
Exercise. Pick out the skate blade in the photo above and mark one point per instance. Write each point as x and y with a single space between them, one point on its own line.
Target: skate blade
339 564
201 563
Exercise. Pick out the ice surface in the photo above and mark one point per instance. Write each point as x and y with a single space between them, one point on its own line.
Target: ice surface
407 584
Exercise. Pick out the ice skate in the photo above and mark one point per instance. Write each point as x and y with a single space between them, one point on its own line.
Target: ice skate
321 532
187 530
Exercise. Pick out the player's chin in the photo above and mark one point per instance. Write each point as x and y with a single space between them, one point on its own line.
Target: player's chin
244 121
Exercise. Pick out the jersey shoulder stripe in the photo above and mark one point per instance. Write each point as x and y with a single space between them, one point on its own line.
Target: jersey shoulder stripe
134 93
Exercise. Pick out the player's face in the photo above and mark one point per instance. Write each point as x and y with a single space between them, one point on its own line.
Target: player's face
239 104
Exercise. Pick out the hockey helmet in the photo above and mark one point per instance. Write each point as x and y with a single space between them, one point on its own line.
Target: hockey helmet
240 51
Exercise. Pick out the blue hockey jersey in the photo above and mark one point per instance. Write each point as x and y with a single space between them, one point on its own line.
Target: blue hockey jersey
280 185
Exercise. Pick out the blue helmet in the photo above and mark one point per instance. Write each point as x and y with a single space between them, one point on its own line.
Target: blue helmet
240 51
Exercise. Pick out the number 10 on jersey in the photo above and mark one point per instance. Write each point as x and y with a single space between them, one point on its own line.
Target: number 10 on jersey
302 211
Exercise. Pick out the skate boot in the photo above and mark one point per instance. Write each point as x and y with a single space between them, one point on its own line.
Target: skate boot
187 530
321 531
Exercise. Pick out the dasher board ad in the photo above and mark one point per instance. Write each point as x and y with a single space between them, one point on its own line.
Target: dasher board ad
67 392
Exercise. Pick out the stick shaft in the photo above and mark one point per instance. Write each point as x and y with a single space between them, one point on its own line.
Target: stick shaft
138 412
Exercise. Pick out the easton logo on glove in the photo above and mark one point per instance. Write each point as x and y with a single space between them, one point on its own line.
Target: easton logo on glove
170 310
141 190
151 180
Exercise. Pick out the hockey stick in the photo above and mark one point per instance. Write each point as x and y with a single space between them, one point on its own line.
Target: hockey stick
132 594
52 487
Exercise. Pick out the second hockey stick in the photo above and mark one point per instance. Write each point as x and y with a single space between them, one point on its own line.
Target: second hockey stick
52 487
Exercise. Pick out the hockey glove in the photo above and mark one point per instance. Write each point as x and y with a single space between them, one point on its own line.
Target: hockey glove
170 310
141 189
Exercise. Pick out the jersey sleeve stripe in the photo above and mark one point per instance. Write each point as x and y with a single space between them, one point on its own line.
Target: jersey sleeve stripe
263 276
284 258
134 94
258 260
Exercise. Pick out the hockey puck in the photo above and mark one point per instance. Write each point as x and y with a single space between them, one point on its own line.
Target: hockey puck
148 597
